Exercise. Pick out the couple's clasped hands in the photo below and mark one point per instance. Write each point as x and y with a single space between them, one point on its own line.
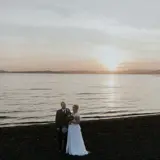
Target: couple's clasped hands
75 120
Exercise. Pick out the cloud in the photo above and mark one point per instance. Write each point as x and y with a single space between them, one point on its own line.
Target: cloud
78 29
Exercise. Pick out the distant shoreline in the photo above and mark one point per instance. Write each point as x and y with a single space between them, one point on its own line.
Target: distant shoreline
84 72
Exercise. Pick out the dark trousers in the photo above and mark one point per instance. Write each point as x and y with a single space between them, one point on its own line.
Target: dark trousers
62 140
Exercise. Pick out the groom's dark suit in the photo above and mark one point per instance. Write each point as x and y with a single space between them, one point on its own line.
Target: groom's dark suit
62 122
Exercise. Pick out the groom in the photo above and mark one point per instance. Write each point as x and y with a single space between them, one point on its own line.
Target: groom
62 126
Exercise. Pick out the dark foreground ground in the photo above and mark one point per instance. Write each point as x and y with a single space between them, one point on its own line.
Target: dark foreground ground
121 139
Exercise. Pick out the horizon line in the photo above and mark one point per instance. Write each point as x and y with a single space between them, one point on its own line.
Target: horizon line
131 71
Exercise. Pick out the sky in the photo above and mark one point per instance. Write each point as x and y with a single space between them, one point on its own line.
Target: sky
79 34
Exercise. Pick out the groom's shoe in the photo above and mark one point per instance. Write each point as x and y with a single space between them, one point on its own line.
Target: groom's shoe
60 151
63 152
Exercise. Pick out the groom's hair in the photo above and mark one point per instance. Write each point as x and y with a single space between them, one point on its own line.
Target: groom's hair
63 103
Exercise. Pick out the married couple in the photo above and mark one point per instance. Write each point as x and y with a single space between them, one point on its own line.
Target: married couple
69 134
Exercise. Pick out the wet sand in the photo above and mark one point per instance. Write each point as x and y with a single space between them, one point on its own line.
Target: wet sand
135 138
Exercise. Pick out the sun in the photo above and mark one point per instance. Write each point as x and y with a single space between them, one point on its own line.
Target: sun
111 64
110 61
110 57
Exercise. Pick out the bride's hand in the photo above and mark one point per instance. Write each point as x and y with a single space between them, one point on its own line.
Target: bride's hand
75 122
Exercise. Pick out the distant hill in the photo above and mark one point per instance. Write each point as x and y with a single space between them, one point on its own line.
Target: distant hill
156 72
2 71
87 72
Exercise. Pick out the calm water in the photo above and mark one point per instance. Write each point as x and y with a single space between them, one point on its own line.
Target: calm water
34 98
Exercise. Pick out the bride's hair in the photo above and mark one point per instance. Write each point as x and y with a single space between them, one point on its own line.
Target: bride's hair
76 106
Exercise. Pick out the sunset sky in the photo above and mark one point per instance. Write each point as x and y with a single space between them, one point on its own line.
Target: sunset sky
79 34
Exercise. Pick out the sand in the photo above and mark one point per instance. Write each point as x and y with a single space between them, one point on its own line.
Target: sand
135 138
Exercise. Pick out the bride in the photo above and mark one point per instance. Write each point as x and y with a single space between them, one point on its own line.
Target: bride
75 144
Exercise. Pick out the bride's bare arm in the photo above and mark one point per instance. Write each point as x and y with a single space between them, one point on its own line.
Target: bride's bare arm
76 120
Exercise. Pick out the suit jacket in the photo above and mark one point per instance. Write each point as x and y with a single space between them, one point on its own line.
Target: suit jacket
62 118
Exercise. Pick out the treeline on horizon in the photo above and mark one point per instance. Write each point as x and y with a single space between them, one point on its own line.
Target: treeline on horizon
89 72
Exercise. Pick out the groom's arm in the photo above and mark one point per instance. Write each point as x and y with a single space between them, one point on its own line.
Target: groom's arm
57 120
68 114
68 111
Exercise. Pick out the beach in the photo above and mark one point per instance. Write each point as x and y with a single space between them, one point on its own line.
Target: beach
134 138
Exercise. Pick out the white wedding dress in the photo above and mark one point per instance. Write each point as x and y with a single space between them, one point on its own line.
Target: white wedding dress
75 144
